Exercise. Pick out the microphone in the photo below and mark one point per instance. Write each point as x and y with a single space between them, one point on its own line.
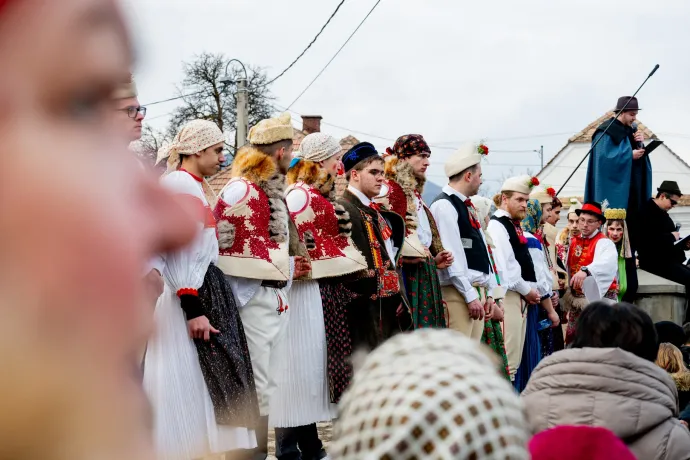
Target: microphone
639 145
678 227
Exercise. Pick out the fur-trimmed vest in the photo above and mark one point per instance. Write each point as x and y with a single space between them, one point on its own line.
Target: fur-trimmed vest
402 191
323 225
253 234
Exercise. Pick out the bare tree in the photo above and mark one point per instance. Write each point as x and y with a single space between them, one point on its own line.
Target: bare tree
205 97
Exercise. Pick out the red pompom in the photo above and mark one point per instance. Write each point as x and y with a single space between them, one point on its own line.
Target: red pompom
535 181
483 149
551 191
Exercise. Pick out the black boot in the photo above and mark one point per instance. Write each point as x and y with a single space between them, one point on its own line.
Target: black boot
286 444
309 443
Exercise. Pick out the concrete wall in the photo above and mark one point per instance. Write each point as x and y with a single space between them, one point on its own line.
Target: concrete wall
664 300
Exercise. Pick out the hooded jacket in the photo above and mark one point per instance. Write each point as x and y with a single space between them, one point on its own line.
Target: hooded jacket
610 388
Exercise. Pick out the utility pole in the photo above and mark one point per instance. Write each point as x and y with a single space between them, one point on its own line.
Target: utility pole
242 113
541 156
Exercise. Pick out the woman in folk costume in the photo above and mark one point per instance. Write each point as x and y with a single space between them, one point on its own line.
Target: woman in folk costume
198 372
422 252
591 254
535 348
558 269
493 325
617 231
302 397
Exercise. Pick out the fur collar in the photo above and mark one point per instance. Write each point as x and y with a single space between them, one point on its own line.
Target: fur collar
682 380
259 168
313 174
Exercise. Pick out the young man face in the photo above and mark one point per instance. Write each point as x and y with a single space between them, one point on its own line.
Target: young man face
419 163
588 224
555 215
369 180
516 205
209 160
77 232
667 201
546 212
573 224
131 126
628 117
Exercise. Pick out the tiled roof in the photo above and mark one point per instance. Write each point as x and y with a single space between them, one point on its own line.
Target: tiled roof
346 143
586 134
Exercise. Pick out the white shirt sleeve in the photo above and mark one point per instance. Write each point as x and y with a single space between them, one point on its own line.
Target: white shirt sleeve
605 265
186 267
424 227
543 284
508 267
446 218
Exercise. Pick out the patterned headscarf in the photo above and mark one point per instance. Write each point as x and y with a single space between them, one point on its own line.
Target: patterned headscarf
532 220
409 145
195 136
429 394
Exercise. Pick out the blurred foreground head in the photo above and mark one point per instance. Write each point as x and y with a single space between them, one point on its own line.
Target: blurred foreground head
430 394
78 219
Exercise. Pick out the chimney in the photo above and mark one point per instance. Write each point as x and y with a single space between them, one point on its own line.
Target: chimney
311 123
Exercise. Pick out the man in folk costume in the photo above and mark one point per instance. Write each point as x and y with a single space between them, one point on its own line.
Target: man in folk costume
380 309
591 254
260 251
302 397
198 371
469 282
422 253
514 264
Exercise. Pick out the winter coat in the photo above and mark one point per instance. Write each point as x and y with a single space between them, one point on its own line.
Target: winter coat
614 389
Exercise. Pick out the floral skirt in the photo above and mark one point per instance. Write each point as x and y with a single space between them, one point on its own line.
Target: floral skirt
493 337
424 293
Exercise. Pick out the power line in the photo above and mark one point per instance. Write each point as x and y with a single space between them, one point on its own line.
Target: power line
173 98
335 55
308 46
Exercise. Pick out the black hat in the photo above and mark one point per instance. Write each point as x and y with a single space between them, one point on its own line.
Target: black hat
670 187
593 208
358 153
632 105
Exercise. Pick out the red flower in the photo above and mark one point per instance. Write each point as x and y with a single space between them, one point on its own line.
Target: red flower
483 149
535 181
551 191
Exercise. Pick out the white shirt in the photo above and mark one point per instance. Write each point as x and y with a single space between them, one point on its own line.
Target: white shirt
424 227
604 266
245 288
390 249
544 282
508 267
458 274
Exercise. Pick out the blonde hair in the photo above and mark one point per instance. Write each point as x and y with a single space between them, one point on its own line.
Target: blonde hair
670 358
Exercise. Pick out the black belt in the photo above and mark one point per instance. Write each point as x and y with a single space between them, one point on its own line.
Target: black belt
274 284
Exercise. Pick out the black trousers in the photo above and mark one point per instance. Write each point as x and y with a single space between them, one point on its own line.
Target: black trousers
299 443
631 274
676 272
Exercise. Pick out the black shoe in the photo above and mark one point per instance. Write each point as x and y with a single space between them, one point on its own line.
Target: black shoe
309 443
286 444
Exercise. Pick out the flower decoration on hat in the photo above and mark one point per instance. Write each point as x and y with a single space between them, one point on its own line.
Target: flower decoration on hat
482 149
551 192
533 182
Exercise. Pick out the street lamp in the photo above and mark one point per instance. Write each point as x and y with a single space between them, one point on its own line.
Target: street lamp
242 108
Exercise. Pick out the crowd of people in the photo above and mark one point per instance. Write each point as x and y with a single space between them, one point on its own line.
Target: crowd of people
151 318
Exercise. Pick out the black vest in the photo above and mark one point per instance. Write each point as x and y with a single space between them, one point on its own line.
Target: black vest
477 256
520 250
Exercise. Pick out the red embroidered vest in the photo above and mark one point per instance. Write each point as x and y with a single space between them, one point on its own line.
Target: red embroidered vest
251 253
581 254
396 200
331 253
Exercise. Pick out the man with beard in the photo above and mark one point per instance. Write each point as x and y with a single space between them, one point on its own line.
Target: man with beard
379 311
591 254
307 387
618 169
422 253
73 307
469 281
514 264
260 251
197 369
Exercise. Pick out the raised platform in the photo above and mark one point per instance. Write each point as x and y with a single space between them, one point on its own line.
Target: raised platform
664 300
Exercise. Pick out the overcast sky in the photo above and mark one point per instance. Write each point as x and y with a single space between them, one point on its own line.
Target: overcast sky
452 71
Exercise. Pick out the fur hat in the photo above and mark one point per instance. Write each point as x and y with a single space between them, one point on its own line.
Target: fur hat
272 130
465 157
126 89
544 195
520 184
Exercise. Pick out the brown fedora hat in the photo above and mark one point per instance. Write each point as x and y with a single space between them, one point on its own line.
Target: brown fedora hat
632 105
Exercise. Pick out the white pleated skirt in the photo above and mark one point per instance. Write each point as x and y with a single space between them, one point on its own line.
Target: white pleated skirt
301 397
185 423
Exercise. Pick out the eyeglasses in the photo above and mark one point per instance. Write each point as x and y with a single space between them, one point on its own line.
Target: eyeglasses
674 203
133 111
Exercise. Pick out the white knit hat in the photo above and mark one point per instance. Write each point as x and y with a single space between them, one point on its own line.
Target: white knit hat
520 184
318 147
430 394
574 205
463 158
